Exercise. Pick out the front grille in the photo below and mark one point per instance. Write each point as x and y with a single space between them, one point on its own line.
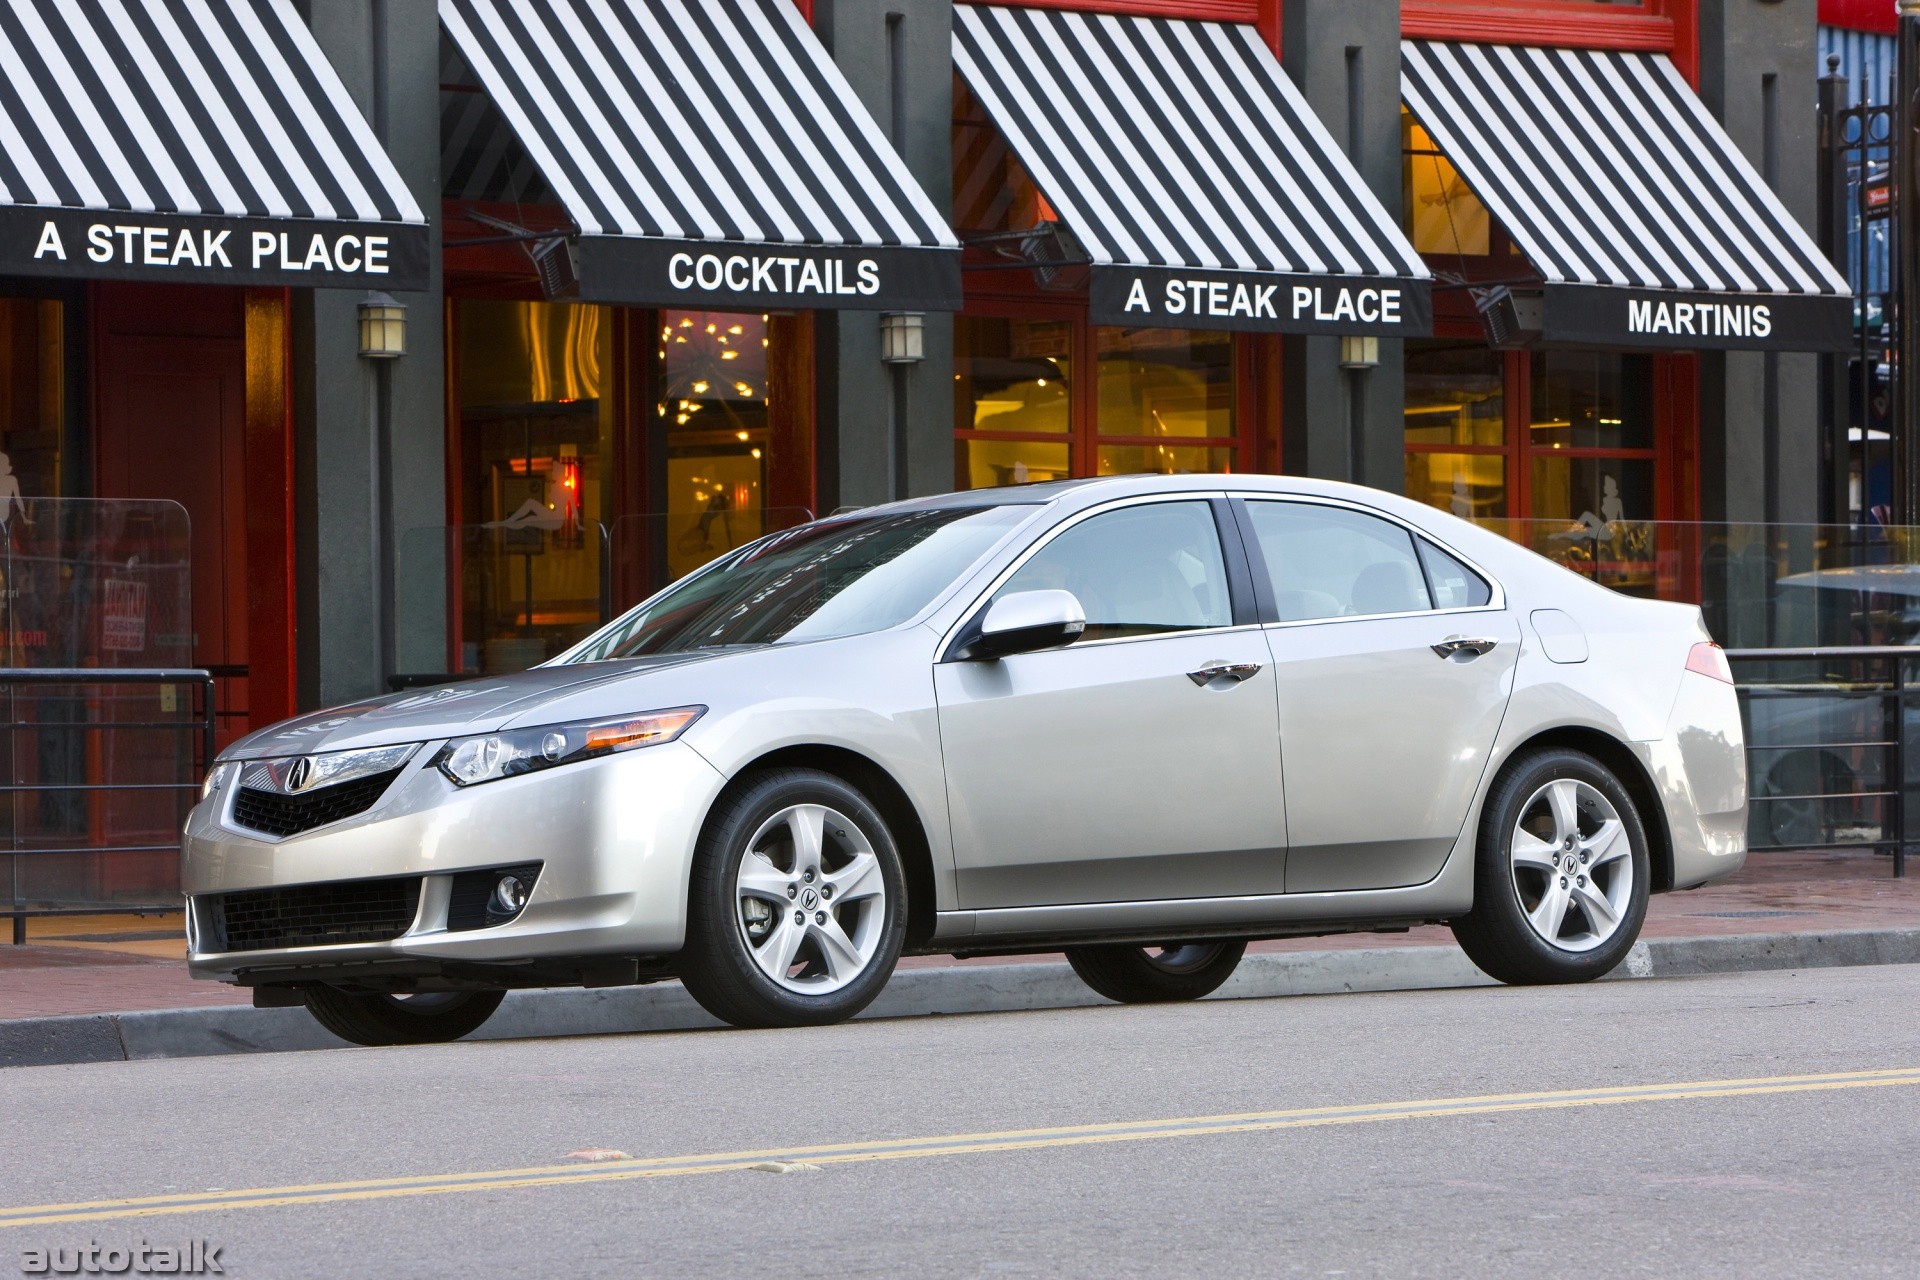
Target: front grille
318 915
280 815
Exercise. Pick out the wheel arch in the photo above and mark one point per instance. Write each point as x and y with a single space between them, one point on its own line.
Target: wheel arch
1627 767
877 784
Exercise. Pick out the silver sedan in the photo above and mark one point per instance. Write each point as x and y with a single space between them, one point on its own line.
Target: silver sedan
1143 720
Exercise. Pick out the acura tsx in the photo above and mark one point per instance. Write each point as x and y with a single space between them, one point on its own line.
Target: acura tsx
1144 720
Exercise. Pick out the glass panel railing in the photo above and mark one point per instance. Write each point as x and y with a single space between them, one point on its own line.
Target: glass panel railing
99 769
520 592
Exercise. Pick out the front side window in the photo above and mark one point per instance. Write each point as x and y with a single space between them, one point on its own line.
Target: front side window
850 576
1329 562
1137 571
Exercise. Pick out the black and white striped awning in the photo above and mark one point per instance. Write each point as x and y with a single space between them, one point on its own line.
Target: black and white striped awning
1202 187
207 141
1645 221
709 153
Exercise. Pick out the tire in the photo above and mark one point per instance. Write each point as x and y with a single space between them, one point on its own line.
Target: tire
1597 886
794 865
374 1018
1156 975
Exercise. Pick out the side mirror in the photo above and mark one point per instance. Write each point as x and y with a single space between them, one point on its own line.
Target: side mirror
1026 621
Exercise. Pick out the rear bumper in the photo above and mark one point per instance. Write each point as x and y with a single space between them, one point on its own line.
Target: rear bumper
615 836
1700 768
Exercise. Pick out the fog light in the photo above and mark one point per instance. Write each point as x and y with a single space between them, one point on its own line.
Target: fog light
509 896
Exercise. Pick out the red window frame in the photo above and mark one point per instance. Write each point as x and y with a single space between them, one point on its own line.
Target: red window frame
1264 14
1671 27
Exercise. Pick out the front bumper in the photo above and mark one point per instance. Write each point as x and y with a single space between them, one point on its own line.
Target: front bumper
616 837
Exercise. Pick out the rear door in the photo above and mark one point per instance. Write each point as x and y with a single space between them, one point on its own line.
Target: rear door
1393 662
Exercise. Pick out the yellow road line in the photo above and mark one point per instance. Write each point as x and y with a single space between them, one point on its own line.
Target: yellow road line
945 1145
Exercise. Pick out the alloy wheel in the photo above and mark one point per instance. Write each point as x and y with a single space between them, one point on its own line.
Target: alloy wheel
811 899
1572 865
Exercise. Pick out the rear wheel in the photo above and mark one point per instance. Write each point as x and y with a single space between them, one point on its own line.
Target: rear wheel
1156 975
375 1018
1561 880
797 908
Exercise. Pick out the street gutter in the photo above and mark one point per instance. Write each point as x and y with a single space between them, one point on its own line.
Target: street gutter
1001 988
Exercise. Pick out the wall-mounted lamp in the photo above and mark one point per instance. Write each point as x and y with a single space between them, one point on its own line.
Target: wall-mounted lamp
903 337
1358 352
383 327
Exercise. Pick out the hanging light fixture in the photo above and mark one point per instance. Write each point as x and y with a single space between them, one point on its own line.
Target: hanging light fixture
383 327
903 337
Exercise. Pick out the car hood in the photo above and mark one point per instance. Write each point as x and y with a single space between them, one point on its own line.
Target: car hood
421 715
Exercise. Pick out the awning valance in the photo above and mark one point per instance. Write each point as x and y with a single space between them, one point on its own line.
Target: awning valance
1200 184
206 141
1646 223
710 155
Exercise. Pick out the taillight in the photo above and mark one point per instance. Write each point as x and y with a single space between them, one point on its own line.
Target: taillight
1708 659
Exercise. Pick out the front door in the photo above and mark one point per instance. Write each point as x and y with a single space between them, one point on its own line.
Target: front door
1116 769
1386 736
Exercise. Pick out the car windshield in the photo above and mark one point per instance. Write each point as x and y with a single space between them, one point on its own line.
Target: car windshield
836 577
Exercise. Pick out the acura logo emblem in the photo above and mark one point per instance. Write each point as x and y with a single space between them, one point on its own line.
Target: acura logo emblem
299 774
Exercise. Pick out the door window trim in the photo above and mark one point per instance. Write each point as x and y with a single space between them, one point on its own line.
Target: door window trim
1243 577
1263 578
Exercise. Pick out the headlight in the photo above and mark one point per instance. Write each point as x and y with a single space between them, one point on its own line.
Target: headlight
217 777
505 755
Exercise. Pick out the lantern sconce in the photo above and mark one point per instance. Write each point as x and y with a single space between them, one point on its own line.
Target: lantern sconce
903 337
383 327
1359 352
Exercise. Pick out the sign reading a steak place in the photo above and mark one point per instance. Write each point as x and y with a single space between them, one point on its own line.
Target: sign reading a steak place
1190 299
113 245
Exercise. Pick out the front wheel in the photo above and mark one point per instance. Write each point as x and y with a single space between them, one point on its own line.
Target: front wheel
797 909
375 1018
1561 878
1156 975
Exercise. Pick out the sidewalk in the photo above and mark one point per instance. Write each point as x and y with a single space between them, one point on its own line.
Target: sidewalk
127 964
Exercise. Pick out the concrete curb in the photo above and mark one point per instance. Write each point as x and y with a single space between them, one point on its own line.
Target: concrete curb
188 1033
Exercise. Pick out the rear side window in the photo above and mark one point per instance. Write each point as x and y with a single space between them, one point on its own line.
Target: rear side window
1454 585
1330 562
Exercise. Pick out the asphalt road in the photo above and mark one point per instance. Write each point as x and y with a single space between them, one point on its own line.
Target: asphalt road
1751 1125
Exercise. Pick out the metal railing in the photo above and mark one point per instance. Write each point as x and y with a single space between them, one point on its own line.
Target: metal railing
1827 732
97 784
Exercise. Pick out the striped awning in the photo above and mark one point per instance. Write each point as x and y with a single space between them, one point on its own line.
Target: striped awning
207 141
709 154
1644 220
1201 186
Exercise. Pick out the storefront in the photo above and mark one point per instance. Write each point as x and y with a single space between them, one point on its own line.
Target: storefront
1148 203
1600 235
643 219
170 177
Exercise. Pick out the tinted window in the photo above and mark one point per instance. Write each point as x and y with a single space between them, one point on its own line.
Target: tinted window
1137 570
1329 562
1454 585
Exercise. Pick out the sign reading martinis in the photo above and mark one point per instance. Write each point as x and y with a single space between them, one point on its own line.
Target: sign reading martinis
1621 317
1181 298
773 277
98 244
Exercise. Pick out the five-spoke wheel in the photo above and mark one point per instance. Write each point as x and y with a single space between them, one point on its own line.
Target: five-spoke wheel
1561 880
798 903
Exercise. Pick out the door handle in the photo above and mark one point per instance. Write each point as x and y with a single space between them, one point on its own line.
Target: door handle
1454 646
1234 671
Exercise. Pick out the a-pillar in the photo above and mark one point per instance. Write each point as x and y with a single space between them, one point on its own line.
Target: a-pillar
1341 424
370 435
884 432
